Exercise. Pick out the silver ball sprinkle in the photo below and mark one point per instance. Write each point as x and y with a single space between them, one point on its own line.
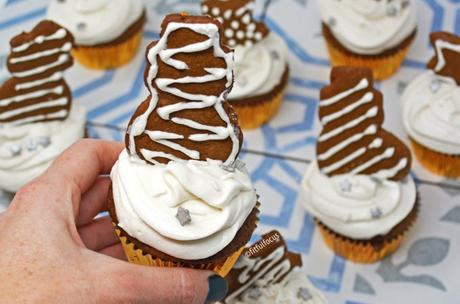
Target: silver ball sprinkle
15 150
345 185
32 145
81 26
44 141
304 294
435 85
392 10
376 213
332 21
183 216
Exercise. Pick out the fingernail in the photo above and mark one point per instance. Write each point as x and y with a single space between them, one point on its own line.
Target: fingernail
217 289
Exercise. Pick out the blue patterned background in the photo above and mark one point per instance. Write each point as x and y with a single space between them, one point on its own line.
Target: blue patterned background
425 268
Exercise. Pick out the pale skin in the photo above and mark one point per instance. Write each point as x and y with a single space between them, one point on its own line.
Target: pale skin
54 251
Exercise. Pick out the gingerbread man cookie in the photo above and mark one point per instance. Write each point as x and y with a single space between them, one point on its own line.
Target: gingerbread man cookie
186 116
353 140
37 91
237 19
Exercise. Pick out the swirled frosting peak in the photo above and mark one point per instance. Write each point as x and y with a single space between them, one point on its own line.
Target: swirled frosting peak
368 26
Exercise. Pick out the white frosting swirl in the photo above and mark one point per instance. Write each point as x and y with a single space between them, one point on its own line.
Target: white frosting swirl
369 27
259 68
286 292
94 22
147 199
431 112
357 206
35 156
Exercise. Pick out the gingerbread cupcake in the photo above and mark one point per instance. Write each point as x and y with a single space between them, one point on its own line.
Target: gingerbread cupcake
375 34
107 32
268 273
180 197
359 188
261 61
431 109
37 118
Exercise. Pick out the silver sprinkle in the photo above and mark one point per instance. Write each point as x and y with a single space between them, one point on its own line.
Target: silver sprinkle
15 150
274 54
240 166
435 85
254 293
392 10
81 26
304 294
32 145
376 213
345 185
44 141
183 216
332 21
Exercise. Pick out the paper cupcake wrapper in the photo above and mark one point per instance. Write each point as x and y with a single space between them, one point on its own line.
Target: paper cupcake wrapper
252 115
361 251
136 256
108 56
382 66
436 162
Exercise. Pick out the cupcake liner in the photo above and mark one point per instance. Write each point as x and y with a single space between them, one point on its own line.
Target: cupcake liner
108 56
363 251
436 162
252 115
136 256
382 65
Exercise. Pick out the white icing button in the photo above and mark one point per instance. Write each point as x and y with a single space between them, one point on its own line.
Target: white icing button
251 27
258 35
215 11
232 42
228 14
249 34
235 24
240 34
248 43
246 18
220 19
205 9
229 33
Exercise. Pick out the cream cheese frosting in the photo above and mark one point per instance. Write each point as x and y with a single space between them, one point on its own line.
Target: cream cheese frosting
369 27
147 199
26 151
357 206
259 68
294 289
94 22
431 112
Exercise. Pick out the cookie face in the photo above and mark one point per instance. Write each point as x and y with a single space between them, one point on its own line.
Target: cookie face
352 140
446 61
186 116
37 91
265 263
237 20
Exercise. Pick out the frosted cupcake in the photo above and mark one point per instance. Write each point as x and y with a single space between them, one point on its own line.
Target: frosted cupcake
180 197
431 109
369 33
107 32
261 61
37 118
358 188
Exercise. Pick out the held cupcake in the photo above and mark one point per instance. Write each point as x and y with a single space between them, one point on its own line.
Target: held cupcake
375 34
358 188
261 67
180 197
37 118
107 32
431 109
268 273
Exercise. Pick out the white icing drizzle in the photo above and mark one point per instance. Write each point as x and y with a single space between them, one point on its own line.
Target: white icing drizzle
196 101
31 119
64 48
27 85
41 105
368 97
440 45
18 98
59 34
43 68
363 84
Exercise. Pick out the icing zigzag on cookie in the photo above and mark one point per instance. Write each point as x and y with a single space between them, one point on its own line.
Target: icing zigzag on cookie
186 116
446 60
237 19
353 140
37 91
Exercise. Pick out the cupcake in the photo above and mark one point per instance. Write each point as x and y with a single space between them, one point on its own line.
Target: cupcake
180 197
261 67
359 189
431 109
107 32
369 33
37 118
268 273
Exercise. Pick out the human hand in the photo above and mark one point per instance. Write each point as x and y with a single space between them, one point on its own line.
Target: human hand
53 250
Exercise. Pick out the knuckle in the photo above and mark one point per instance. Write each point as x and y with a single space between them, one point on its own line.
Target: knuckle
187 286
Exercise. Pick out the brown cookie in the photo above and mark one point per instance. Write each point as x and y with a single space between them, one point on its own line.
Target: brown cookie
266 262
37 91
187 115
446 61
236 17
353 140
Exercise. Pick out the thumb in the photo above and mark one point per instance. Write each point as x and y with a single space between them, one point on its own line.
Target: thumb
130 283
